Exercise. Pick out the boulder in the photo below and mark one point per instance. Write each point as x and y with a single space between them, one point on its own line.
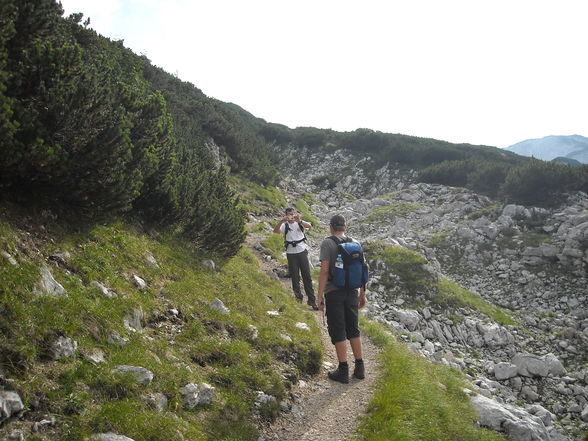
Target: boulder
103 289
134 321
254 331
409 318
48 285
95 356
116 339
10 404
302 326
264 399
530 393
110 436
63 347
530 365
517 212
140 374
504 371
209 265
584 414
494 335
219 306
150 259
11 260
157 401
518 424
197 395
139 282
554 366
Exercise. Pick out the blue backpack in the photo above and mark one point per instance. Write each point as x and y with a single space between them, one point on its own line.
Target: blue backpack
350 271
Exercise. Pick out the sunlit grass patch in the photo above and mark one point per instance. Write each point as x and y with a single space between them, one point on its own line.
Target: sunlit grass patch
416 399
382 215
258 199
450 293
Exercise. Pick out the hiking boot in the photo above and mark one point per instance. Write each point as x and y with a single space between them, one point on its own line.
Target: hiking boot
341 374
314 307
359 371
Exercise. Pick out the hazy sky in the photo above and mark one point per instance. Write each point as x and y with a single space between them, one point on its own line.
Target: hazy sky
484 72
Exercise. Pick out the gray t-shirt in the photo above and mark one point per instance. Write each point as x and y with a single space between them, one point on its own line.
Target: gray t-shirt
329 251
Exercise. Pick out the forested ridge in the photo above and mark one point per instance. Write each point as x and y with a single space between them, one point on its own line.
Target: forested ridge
88 125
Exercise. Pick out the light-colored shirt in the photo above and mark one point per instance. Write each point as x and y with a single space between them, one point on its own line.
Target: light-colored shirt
329 251
294 234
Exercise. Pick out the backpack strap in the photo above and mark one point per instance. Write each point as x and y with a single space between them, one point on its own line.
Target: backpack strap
293 242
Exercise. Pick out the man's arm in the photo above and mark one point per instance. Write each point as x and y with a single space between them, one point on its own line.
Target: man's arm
362 297
277 227
323 277
305 224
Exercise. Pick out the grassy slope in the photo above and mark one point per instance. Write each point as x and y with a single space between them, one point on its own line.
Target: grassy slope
418 400
201 345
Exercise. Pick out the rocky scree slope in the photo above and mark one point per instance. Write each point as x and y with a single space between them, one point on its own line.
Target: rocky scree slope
530 261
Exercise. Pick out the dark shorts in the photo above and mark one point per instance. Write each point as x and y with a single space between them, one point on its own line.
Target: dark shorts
342 310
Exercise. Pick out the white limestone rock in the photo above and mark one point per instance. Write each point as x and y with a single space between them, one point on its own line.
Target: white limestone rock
530 365
48 285
141 375
11 260
209 265
518 424
151 261
504 371
194 395
139 282
219 306
303 326
110 436
10 404
63 347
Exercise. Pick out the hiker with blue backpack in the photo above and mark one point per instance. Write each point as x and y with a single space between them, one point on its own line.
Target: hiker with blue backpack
292 227
343 272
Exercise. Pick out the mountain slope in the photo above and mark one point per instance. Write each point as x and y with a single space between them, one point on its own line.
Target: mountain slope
550 147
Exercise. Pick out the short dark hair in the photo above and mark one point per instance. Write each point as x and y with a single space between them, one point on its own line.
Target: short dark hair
288 210
338 222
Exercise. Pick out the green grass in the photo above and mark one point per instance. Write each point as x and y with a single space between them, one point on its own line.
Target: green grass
406 264
275 245
381 215
416 399
450 293
491 211
258 199
440 241
200 345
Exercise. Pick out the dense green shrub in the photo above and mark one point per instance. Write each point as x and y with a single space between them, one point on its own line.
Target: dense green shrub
539 182
89 125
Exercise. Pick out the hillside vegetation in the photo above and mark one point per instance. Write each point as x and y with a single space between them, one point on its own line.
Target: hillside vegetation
168 327
418 400
88 125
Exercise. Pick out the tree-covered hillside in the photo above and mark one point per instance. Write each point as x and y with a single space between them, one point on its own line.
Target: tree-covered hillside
88 125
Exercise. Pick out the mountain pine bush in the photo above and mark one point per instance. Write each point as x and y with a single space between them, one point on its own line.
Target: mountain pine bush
88 125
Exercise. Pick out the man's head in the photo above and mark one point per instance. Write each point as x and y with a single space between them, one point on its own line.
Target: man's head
337 223
291 213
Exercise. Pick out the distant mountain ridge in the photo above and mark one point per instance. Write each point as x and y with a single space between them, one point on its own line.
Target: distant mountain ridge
550 147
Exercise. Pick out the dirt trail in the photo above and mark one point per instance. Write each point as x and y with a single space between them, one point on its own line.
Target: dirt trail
321 409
